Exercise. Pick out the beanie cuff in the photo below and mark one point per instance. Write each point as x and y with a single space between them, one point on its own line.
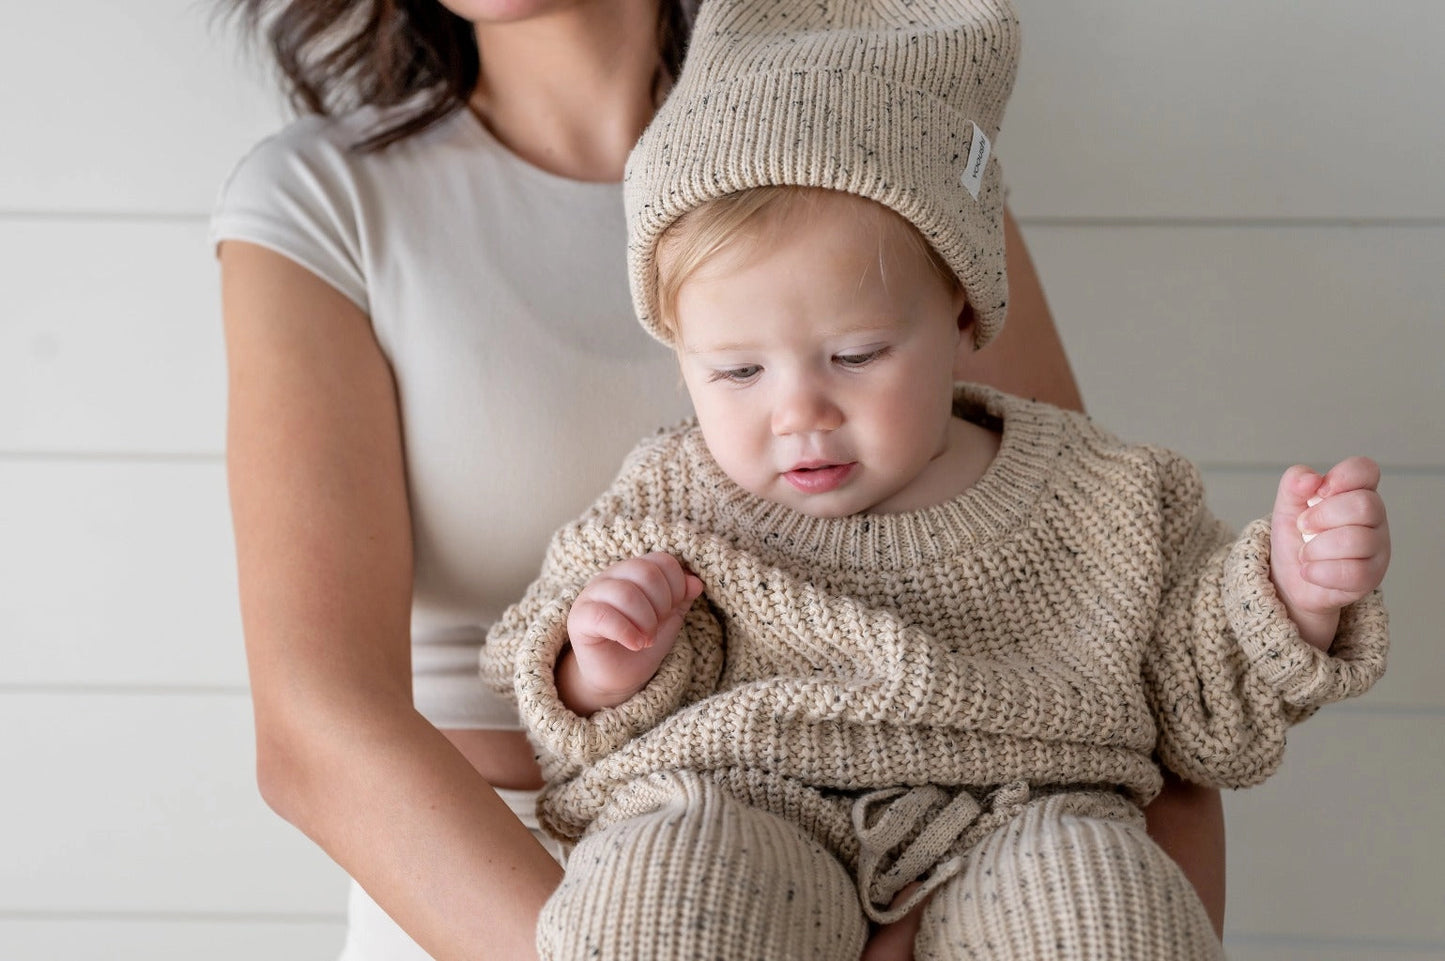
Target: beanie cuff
897 145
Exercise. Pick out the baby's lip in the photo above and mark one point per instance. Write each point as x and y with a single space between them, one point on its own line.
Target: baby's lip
819 477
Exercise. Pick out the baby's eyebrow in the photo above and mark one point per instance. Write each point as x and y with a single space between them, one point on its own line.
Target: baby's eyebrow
726 348
873 325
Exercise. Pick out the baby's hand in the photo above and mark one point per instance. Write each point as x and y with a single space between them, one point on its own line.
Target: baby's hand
621 627
1330 543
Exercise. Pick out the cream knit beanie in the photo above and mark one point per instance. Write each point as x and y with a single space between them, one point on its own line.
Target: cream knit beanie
895 100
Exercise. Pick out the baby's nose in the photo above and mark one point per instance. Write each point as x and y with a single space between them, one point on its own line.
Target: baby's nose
804 409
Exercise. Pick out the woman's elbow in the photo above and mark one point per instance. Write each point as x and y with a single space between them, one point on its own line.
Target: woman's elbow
281 775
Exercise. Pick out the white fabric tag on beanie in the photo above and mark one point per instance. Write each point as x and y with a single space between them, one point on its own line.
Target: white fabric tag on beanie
978 151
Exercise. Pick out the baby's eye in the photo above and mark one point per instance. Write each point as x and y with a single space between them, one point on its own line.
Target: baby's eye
860 359
737 375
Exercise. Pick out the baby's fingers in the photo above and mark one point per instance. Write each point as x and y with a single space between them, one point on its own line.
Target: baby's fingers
614 610
1345 544
662 578
594 623
1350 474
1353 508
1344 581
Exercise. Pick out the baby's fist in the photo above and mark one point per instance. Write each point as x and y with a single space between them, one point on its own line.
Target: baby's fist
1329 543
635 603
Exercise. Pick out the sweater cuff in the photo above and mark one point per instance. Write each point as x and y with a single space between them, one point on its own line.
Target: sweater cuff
1302 674
689 671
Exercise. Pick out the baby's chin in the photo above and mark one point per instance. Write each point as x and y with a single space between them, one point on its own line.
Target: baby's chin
820 506
843 502
827 513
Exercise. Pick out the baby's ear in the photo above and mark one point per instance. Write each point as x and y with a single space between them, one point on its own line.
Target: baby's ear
966 319
963 352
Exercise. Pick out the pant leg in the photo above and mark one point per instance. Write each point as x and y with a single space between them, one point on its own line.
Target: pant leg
1054 885
702 876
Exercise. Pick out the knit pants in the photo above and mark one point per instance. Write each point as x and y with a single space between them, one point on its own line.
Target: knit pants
705 876
1050 884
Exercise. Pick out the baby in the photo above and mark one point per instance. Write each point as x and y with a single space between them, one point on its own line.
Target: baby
864 624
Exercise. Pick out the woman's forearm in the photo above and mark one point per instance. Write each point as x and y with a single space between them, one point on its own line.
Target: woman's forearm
324 556
390 799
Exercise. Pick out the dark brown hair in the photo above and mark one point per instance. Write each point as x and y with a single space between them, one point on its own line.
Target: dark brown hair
337 55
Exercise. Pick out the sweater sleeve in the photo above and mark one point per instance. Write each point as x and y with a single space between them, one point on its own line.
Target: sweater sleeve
521 652
1227 670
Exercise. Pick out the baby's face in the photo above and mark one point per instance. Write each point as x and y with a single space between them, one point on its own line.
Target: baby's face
821 363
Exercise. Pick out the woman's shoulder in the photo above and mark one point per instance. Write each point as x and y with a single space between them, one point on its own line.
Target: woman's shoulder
308 192
328 147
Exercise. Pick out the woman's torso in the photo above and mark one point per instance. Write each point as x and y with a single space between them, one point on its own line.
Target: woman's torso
498 294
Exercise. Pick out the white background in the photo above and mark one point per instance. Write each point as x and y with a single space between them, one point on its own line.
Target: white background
1238 212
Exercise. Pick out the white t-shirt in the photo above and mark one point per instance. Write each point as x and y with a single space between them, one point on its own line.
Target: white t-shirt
498 292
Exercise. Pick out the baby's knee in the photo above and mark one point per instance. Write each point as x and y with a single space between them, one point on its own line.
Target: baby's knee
703 876
1054 885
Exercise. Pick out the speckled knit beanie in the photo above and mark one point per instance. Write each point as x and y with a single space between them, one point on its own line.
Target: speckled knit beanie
895 100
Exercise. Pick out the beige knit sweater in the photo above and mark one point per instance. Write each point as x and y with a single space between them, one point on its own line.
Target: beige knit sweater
1069 623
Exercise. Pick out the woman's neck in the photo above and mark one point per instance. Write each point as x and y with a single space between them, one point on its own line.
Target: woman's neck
570 91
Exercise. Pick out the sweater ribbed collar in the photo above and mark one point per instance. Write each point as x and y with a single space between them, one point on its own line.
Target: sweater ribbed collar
997 504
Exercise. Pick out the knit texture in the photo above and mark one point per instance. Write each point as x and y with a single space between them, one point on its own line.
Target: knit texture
1053 885
1072 614
878 98
702 875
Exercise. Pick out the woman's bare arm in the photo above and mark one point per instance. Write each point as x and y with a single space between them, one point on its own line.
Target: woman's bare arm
323 541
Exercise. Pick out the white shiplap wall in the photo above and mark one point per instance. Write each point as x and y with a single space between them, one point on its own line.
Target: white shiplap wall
130 825
1238 215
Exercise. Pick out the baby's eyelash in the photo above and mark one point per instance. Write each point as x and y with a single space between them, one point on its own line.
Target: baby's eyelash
863 359
735 375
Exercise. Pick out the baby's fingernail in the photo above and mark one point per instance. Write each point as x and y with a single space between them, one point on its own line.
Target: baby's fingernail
1305 532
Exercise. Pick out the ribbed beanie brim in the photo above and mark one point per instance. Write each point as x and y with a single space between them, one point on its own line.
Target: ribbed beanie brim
878 99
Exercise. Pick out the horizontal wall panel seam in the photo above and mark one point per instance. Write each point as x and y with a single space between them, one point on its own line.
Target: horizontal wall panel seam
124 690
175 916
1263 939
1245 223
122 457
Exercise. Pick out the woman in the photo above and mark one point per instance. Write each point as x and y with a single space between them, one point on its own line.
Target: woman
414 329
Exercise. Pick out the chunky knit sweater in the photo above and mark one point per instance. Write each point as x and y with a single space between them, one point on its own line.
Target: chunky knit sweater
1071 622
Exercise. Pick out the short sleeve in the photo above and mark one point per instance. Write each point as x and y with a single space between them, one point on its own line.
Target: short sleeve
297 193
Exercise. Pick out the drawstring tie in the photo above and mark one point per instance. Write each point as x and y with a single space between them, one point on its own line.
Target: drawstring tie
934 821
